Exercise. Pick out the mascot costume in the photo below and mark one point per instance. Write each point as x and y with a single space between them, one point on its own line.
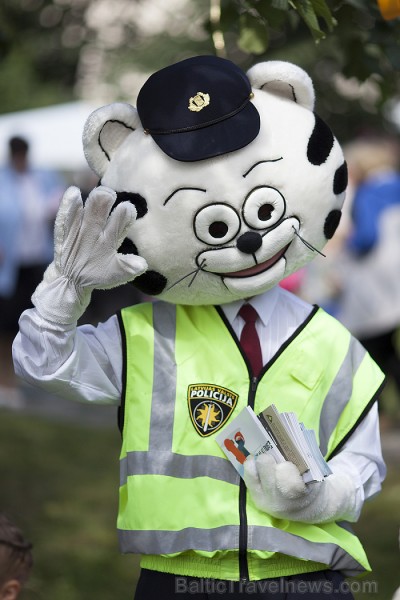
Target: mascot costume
218 186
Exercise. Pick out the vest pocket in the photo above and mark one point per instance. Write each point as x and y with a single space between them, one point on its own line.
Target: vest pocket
306 372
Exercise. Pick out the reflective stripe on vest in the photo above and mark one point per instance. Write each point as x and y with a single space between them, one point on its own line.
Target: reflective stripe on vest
339 393
355 366
171 464
164 381
177 490
270 539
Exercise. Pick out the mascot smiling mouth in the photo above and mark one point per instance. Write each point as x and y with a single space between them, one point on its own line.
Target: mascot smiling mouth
260 268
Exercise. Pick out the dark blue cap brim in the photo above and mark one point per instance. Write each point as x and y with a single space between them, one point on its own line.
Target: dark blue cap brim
226 136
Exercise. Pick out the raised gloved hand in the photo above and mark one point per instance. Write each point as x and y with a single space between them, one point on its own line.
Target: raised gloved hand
86 257
279 490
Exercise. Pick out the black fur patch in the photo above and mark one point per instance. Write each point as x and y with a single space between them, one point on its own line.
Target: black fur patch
340 179
128 247
331 223
151 283
320 143
137 200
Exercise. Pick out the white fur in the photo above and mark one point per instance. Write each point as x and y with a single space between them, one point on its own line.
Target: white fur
105 130
284 79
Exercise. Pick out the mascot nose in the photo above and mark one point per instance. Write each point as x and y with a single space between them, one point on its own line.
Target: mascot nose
249 242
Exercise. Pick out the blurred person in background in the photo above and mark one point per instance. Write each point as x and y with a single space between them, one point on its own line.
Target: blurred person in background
29 200
15 559
370 267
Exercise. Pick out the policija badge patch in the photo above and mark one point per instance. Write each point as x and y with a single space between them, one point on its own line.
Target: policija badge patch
210 406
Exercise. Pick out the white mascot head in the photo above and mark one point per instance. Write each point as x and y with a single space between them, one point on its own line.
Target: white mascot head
236 181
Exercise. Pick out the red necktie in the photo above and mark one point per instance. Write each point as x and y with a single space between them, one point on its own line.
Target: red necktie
249 339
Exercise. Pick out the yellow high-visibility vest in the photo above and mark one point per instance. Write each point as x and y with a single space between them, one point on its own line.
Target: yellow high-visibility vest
182 505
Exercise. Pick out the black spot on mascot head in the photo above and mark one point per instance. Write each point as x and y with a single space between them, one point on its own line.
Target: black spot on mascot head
320 143
128 247
136 199
151 283
340 179
331 223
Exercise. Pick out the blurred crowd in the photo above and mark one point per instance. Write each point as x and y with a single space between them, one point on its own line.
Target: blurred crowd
29 200
358 280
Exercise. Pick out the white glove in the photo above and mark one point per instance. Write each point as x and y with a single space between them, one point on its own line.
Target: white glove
279 490
86 240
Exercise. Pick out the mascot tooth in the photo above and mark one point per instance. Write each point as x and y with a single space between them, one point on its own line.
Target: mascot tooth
215 188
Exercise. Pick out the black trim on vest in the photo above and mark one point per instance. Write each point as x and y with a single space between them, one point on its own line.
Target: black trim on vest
281 349
359 420
121 407
290 339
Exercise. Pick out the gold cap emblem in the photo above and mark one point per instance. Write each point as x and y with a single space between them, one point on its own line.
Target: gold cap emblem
199 101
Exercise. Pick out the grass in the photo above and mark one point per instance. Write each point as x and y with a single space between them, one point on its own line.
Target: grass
59 483
378 530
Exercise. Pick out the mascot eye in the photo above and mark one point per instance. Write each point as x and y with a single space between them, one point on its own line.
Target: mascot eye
264 207
218 229
216 224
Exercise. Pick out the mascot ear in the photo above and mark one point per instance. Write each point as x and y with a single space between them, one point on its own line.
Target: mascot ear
104 132
283 79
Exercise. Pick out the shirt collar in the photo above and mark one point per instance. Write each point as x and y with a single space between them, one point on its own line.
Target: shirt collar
264 304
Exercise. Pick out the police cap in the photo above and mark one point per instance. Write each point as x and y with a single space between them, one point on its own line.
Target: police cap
199 108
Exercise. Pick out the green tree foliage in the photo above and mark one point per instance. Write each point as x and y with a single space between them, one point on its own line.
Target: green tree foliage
350 51
37 68
56 50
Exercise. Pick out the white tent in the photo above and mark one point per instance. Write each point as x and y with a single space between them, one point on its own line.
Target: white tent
54 134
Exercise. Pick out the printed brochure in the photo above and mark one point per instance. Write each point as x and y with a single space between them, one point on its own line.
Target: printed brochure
278 434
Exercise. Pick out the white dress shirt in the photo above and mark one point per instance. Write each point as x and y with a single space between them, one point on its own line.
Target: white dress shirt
85 364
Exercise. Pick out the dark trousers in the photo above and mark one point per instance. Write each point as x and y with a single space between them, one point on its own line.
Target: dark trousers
328 585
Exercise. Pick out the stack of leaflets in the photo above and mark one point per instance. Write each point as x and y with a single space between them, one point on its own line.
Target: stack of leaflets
278 434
